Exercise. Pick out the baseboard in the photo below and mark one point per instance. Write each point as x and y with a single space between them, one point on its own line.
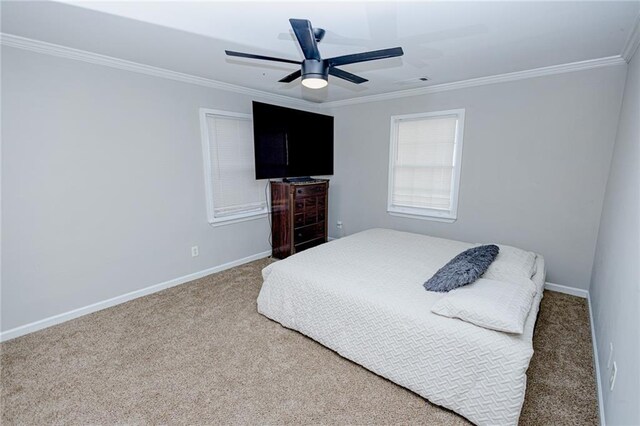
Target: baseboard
596 362
66 316
567 290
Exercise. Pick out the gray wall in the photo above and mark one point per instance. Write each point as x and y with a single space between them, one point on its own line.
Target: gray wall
534 165
103 186
615 283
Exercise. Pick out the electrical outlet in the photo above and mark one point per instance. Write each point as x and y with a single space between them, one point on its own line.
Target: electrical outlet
194 251
339 224
610 359
612 378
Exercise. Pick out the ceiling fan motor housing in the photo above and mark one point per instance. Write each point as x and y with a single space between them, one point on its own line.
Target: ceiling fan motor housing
318 34
312 68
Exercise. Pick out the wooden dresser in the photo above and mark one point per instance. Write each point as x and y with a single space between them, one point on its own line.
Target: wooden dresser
299 216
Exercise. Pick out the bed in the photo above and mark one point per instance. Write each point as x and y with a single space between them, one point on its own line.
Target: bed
362 296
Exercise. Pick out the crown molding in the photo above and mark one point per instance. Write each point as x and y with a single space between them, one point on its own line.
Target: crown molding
109 61
633 41
482 81
122 64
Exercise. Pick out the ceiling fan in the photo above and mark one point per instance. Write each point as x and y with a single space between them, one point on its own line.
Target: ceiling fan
315 70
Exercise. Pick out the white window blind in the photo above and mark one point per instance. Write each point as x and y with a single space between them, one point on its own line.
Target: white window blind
233 193
424 166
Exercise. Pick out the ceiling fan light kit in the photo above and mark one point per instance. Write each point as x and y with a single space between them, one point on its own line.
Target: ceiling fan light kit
315 74
314 82
314 70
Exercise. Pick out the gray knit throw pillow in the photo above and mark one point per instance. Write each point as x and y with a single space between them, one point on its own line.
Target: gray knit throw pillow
463 269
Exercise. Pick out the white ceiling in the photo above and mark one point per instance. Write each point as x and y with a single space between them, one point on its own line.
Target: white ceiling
444 41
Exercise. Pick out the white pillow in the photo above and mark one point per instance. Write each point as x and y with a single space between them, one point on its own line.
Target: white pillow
511 264
496 305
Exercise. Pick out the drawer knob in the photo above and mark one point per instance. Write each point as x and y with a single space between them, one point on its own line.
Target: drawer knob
299 191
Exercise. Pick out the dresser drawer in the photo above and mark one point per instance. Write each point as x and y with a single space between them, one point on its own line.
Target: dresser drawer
309 203
308 233
308 244
307 218
310 190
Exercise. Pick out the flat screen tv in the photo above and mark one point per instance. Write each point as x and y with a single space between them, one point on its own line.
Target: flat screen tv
290 143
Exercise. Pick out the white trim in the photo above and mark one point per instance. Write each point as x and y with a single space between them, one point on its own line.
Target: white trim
567 290
95 58
423 216
206 155
66 316
482 81
633 41
122 64
425 213
240 217
596 362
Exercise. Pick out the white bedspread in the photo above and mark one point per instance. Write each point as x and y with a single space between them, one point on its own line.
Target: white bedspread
362 296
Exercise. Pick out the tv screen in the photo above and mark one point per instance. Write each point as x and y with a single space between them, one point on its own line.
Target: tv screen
291 143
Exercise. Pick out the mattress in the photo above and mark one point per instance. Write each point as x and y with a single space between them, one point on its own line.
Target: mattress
362 297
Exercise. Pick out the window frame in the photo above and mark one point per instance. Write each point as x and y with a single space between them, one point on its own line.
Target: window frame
208 172
438 215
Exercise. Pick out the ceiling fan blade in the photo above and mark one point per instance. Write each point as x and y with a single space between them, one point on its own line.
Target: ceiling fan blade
291 77
304 33
366 56
264 58
346 76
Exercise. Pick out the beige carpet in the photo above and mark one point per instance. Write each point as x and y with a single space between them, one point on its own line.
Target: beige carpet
200 354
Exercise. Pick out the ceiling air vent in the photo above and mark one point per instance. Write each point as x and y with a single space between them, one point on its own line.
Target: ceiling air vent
412 81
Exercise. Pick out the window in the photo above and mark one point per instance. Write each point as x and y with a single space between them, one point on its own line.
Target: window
424 165
232 191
